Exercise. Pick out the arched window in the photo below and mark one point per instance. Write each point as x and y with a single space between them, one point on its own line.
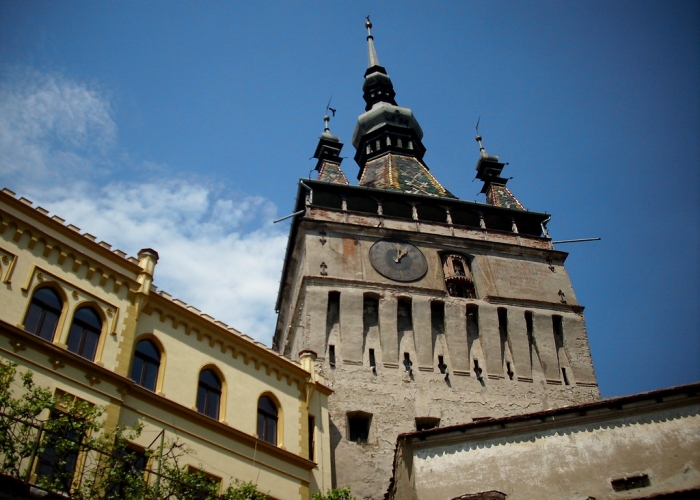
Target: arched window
144 370
85 333
267 420
209 394
44 311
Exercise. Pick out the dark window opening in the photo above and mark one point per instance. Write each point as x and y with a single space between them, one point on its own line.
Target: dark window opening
565 376
209 394
407 361
503 324
331 355
558 328
529 328
312 437
509 370
131 463
630 483
441 364
372 360
437 317
477 369
358 426
85 333
144 370
425 423
332 312
61 445
267 420
44 311
404 315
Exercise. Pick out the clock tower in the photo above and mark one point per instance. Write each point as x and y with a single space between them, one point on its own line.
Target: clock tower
423 310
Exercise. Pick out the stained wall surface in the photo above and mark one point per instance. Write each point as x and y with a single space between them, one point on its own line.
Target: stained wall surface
630 447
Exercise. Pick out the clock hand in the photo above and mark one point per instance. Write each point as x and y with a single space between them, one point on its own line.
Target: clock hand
400 255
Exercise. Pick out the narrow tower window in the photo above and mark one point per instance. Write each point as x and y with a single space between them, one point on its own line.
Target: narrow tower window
372 361
407 361
331 355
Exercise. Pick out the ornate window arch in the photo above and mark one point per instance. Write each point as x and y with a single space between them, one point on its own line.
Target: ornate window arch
44 313
85 331
145 367
210 393
269 413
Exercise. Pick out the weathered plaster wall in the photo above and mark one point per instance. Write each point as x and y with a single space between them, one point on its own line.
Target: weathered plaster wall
576 457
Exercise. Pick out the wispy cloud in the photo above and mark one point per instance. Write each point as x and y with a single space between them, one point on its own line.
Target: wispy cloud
218 253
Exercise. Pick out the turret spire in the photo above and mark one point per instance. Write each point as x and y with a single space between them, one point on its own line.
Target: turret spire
488 170
328 154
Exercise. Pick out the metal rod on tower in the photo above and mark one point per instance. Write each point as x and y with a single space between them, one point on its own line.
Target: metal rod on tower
575 241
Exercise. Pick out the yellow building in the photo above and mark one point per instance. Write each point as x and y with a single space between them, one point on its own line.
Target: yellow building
88 322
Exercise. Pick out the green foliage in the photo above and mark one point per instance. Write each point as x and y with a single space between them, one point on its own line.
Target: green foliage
73 438
243 491
334 494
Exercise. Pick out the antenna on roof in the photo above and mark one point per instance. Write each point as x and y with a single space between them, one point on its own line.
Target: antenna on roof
328 107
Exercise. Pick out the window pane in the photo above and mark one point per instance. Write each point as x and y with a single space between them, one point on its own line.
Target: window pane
88 318
74 337
213 405
48 325
265 404
31 323
201 400
49 298
150 375
89 347
136 370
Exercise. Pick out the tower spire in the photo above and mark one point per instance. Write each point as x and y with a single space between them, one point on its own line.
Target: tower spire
372 58
387 137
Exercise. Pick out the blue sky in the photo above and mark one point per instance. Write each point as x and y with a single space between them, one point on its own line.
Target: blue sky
185 126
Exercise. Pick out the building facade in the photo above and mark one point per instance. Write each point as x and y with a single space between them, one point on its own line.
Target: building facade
424 310
87 321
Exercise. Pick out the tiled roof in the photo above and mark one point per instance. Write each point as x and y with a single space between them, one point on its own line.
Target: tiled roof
331 172
401 173
500 196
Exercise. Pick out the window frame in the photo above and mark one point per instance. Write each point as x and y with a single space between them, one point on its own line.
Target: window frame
86 327
203 410
157 381
267 417
42 313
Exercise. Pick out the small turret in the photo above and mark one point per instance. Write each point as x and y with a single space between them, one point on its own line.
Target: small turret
328 155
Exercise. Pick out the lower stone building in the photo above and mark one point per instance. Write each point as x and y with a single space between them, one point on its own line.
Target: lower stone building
642 446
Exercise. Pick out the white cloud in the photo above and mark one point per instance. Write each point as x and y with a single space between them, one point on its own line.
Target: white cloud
219 254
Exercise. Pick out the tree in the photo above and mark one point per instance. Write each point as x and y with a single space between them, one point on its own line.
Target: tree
334 494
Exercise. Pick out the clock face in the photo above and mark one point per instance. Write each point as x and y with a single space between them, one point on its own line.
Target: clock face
398 260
